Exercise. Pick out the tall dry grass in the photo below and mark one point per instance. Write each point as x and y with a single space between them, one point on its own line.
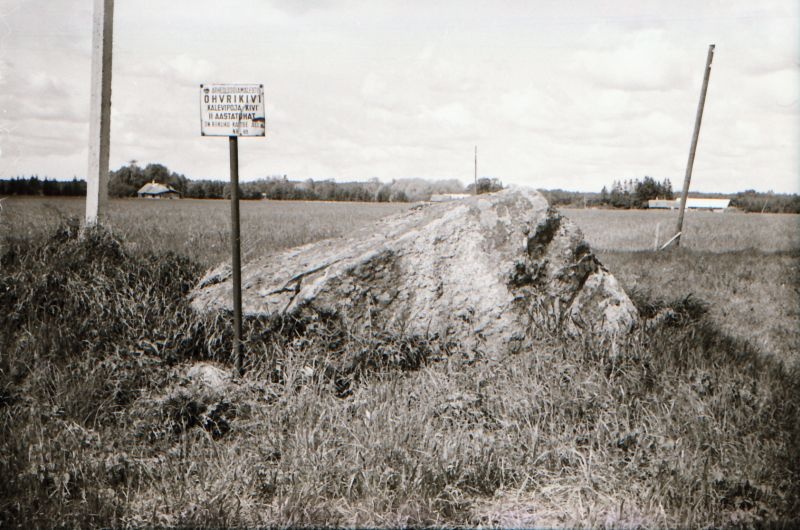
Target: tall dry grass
745 266
678 425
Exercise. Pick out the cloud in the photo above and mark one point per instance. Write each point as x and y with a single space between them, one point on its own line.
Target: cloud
641 60
37 95
558 94
183 69
304 7
452 116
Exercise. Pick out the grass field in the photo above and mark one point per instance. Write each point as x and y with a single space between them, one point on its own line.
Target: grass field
691 424
745 266
634 230
200 229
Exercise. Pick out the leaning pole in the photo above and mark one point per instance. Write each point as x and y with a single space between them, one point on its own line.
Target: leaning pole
100 112
693 148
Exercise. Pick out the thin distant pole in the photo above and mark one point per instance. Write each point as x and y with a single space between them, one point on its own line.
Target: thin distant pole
99 112
476 170
693 148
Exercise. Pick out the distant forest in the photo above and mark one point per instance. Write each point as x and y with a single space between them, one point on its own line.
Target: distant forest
635 193
34 186
626 194
127 180
632 193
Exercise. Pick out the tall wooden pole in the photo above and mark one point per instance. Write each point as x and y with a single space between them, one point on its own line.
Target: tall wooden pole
236 254
693 148
100 112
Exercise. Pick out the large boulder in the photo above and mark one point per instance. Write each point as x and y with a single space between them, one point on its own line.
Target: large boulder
484 271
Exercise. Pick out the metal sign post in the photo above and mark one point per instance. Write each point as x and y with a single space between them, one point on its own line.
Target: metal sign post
233 111
236 253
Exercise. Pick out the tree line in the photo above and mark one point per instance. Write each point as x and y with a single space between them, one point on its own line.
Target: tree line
34 186
754 201
128 179
635 193
631 193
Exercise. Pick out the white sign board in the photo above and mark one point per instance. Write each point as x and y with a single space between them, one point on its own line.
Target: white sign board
232 110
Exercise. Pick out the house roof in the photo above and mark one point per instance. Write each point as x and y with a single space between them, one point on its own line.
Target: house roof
691 202
154 188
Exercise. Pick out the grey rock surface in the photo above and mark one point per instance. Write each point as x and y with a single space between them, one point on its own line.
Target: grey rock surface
482 270
208 375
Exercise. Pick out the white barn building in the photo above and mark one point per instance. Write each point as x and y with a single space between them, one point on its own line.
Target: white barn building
692 203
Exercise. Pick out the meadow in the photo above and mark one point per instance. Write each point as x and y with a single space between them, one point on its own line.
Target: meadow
200 229
745 266
692 423
636 230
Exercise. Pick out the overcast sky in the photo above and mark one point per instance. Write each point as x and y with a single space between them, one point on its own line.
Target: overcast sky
562 94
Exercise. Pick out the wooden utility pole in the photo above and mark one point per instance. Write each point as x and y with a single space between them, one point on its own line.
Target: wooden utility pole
100 112
476 170
693 148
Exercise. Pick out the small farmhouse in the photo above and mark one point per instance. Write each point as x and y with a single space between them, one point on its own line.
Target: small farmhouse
154 190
